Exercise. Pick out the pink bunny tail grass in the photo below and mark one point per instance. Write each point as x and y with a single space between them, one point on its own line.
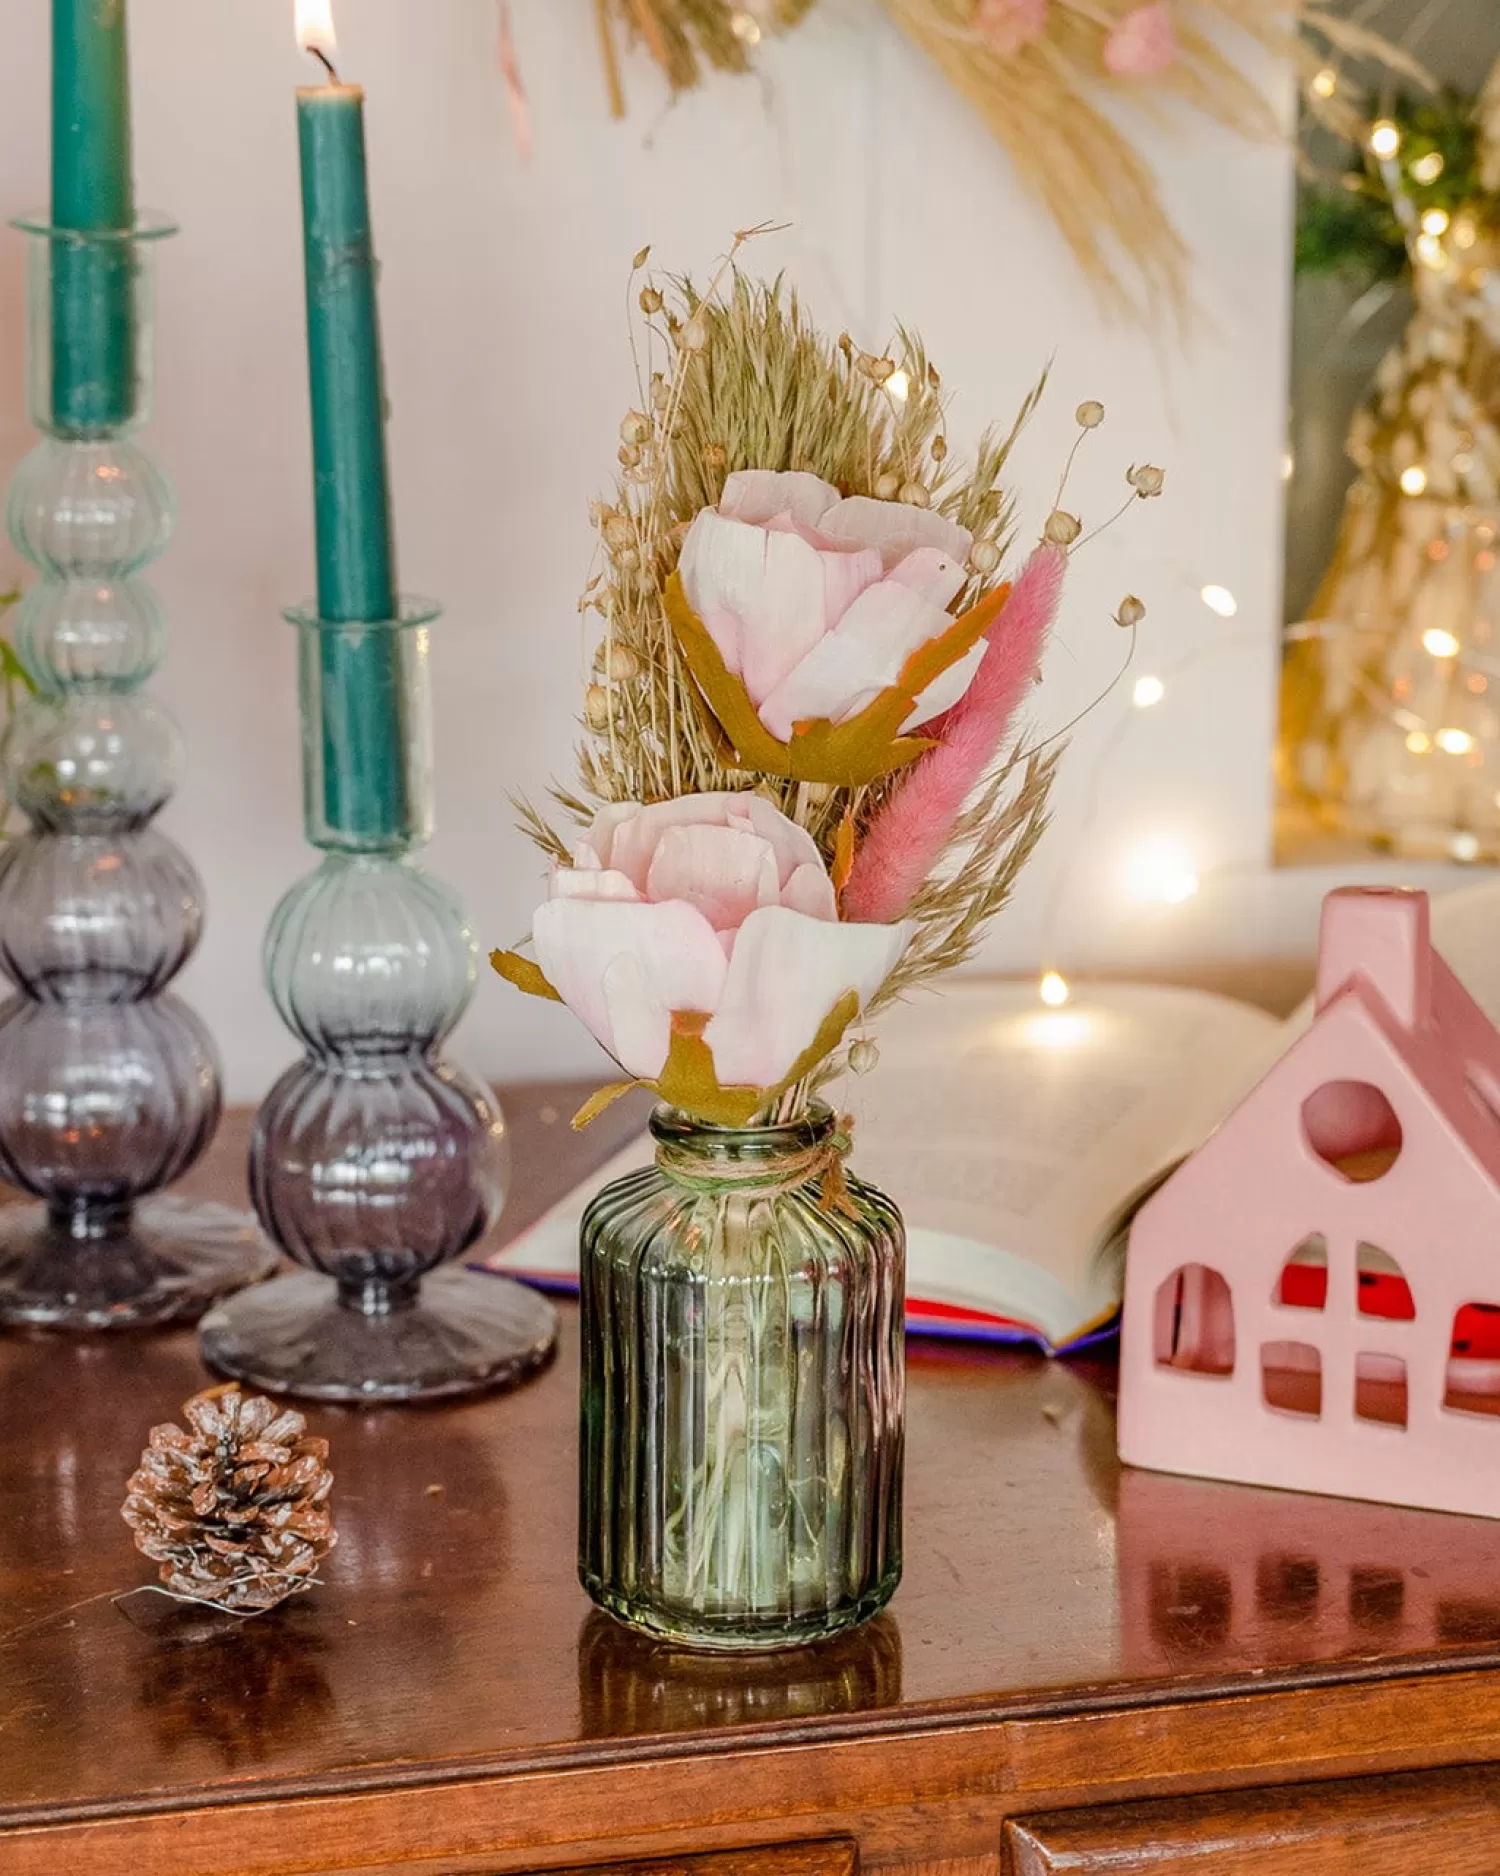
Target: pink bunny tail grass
907 838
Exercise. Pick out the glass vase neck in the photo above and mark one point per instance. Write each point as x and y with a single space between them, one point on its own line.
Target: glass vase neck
762 1159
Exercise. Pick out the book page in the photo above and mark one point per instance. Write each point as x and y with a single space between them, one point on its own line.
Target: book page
1012 1136
1009 1133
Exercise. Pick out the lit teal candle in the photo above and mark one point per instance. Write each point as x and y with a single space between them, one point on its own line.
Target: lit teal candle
93 341
365 785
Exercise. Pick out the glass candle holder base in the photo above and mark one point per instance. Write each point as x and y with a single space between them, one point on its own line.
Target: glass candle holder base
460 1332
165 1262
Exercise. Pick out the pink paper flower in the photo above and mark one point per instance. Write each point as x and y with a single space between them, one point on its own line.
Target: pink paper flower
816 603
712 904
1008 25
1143 43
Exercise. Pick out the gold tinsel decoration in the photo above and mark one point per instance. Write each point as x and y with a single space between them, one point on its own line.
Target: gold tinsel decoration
234 1508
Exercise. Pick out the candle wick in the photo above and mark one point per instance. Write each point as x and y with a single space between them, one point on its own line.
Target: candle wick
327 63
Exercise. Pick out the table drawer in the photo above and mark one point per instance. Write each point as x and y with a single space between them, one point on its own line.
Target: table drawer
1438 1821
832 1856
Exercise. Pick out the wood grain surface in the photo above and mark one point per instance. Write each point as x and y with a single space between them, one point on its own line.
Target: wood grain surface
450 1702
1446 1822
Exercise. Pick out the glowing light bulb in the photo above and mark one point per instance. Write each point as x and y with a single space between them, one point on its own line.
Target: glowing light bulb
1435 221
1054 990
1418 742
1162 869
1324 83
899 386
315 27
1428 168
1431 252
1148 691
1441 644
1219 599
1454 742
1414 480
1385 140
1464 847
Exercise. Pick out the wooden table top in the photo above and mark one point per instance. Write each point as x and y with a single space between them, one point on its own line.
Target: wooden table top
452 1639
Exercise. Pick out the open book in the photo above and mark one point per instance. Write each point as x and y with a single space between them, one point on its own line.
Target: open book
1019 1141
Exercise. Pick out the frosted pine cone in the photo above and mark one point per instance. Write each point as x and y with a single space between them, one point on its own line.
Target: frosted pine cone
235 1509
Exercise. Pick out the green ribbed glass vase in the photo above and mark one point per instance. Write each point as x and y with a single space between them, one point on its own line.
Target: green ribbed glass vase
743 1390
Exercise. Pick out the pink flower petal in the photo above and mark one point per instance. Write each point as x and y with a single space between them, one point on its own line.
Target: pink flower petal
793 846
760 594
949 688
762 495
786 974
722 872
848 669
810 892
896 529
591 882
671 961
1144 43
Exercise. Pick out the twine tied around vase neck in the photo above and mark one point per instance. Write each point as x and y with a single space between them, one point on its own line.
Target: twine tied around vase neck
817 1162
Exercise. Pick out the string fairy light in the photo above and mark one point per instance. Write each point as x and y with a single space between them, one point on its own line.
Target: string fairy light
1385 140
1054 990
1219 599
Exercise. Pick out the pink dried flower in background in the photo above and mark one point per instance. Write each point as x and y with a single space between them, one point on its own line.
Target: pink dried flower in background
908 836
1143 44
1008 25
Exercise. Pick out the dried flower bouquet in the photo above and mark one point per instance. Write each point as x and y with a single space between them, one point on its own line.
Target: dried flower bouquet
802 793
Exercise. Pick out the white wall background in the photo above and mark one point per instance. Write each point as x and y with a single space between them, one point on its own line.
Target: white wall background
503 296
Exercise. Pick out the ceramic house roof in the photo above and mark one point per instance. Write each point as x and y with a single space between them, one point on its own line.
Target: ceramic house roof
1390 1012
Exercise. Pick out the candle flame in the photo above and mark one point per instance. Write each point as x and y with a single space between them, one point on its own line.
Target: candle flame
315 27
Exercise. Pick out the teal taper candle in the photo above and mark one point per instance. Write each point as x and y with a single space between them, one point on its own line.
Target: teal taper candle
93 345
364 779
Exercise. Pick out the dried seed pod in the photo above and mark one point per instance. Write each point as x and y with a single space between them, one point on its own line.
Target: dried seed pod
619 531
887 486
620 664
863 1056
635 428
1147 480
1062 529
1090 415
916 494
234 1509
651 301
598 707
984 557
1131 612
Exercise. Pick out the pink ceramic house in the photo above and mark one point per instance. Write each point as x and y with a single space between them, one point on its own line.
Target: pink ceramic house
1313 1299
